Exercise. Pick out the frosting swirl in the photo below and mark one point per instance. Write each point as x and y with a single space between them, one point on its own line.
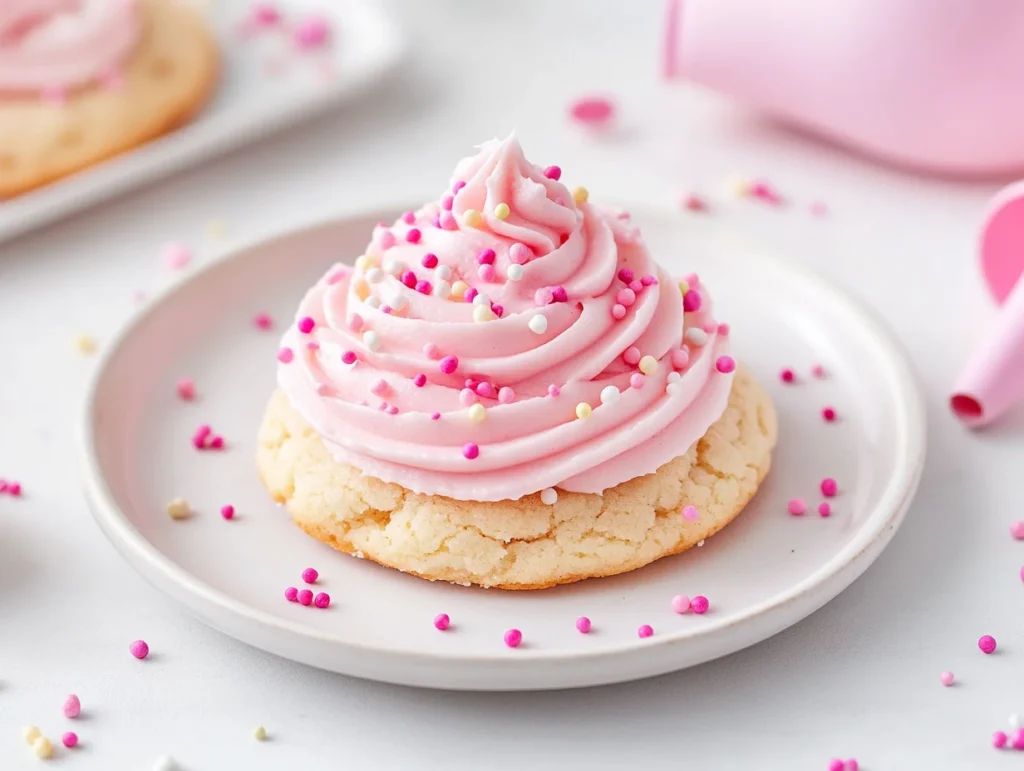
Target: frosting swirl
46 44
509 338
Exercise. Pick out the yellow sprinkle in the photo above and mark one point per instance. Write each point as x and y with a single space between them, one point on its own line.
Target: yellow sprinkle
459 290
31 733
501 211
739 186
583 410
580 194
366 262
361 288
483 313
471 218
683 287
476 413
260 733
178 508
648 365
85 345
216 229
42 748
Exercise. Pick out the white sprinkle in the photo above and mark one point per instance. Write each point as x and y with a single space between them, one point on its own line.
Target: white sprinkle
443 272
700 543
549 496
393 266
514 272
696 336
178 508
1015 721
609 395
375 275
165 763
371 340
442 289
674 377
539 323
482 299
397 300
372 302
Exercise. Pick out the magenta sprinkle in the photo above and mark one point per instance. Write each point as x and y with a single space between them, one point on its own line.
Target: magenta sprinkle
70 739
498 310
470 294
559 295
424 287
700 604
470 451
485 390
458 186
592 110
645 631
554 390
486 257
419 380
306 325
200 436
349 357
291 594
625 275
999 739
648 280
690 513
513 638
987 643
520 254
227 511
828 414
217 443
392 410
447 200
787 375
553 172
725 364
583 625
825 509
409 279
322 600
836 765
1017 742
797 506
692 301
386 309
285 355
409 217
139 649
309 575
442 621
263 321
435 416
429 260
413 235
449 364
13 489
305 597
72 707
829 487
636 285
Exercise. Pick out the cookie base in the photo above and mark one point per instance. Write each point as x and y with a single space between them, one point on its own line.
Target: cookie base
169 75
521 544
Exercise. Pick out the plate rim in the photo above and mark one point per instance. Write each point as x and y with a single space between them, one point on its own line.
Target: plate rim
834 576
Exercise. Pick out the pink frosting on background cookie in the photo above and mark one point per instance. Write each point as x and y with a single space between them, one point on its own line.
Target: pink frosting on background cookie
632 391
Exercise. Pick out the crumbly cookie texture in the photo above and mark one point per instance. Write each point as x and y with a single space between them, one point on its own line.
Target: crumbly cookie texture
167 78
521 544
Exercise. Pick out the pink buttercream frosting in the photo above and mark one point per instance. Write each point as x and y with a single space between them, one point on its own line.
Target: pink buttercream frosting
62 44
543 344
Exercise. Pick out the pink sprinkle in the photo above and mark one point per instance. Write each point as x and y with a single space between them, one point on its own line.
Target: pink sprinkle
458 186
419 380
819 209
312 32
626 276
139 649
999 739
409 279
263 321
1017 530
312 345
680 358
176 256
487 273
309 575
828 414
690 513
442 621
200 435
498 310
631 356
448 221
227 511
265 15
693 202
413 236
349 357
355 322
725 364
70 739
337 276
723 329
554 390
447 201
392 410
380 387
449 364
825 509
543 296
520 254
72 707
636 285
470 451
700 605
592 110
553 172
506 395
836 765
787 375
486 257
618 312
797 506
829 488
305 597
306 325
322 600
648 280
692 280
431 351
409 218
387 239
680 604
763 190
987 643
186 389
485 390
637 380
852 765
386 309
112 78
467 397
692 301
583 625
819 371
291 594
285 355
470 383
625 297
54 95
645 631
513 638
429 260
435 416
710 326
946 678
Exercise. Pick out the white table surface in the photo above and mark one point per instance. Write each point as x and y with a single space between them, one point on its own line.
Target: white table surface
858 678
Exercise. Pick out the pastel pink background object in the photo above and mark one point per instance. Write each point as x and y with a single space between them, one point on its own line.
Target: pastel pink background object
993 380
936 85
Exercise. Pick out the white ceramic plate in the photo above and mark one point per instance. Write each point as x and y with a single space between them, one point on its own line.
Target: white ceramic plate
763 573
264 86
